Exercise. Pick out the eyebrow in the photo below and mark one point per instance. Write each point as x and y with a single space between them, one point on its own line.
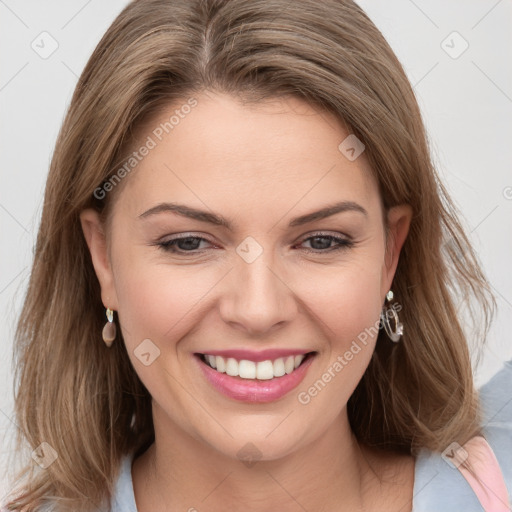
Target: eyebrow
219 220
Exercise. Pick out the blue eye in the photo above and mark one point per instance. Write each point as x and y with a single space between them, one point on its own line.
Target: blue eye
190 244
342 243
185 244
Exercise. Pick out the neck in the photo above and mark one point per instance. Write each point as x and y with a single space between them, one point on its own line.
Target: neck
179 472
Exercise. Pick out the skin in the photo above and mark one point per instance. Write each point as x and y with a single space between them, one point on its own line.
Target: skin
259 166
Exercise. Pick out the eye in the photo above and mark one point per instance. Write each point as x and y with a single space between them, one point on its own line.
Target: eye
183 244
320 243
323 243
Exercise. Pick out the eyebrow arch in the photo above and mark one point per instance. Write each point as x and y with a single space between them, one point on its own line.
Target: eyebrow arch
219 220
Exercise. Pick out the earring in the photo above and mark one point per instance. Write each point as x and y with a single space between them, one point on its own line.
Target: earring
386 315
109 330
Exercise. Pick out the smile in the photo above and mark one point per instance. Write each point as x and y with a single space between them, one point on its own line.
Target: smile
255 377
246 369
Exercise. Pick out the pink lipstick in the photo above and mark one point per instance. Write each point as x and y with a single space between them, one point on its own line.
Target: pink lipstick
273 382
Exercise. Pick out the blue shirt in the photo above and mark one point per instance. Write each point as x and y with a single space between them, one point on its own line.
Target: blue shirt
438 487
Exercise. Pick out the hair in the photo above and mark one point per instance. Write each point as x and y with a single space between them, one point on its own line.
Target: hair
87 401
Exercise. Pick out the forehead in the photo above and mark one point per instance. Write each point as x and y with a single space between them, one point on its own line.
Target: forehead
217 149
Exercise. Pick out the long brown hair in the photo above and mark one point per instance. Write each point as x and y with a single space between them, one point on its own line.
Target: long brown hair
86 401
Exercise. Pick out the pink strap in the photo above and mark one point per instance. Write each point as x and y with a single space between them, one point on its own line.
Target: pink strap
482 471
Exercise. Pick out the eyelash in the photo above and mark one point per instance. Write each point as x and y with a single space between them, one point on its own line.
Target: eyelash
343 243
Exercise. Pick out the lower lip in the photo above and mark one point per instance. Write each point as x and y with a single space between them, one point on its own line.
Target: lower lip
254 390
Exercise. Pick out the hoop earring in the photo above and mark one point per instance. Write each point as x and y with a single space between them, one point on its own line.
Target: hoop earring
386 315
109 329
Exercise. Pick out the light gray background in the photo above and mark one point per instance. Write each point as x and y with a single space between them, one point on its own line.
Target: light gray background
466 103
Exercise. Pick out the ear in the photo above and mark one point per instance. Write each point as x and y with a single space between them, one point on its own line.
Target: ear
97 243
398 223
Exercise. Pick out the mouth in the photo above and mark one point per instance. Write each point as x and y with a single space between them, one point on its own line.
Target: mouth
259 370
255 381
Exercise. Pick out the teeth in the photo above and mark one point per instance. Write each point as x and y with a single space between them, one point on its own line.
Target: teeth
265 370
247 369
232 367
279 367
220 364
262 370
289 364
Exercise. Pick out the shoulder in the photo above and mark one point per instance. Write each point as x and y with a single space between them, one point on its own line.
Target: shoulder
124 498
496 400
438 485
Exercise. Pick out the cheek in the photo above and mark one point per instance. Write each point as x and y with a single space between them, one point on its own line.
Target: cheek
348 306
346 299
155 299
162 304
357 308
158 302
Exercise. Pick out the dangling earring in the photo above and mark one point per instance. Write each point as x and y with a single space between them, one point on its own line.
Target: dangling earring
386 314
109 330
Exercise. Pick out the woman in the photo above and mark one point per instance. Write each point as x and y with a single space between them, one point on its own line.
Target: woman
243 205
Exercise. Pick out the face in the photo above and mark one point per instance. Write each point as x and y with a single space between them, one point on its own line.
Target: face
278 297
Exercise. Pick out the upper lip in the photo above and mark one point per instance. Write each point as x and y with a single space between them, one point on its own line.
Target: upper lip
256 356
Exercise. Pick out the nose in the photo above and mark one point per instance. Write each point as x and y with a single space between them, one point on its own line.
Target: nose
256 297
